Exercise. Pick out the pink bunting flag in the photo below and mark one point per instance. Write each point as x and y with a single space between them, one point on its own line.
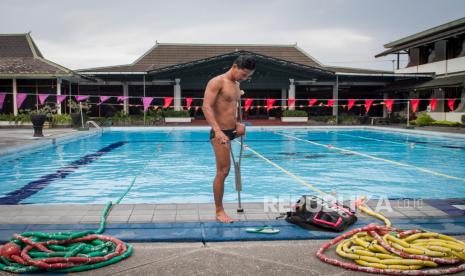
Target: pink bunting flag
104 99
311 102
188 102
350 103
389 103
368 104
122 98
290 102
81 98
433 102
146 101
20 97
451 103
248 102
42 98
168 101
415 103
61 98
2 99
330 103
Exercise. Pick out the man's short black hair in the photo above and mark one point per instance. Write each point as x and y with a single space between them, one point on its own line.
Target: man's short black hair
245 62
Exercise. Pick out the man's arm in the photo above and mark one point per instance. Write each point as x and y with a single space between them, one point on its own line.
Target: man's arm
211 93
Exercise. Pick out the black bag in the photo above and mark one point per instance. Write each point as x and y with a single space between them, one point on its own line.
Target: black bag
311 211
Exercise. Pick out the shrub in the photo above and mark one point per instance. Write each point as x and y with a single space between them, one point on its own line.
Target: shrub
463 119
348 119
446 123
325 119
295 113
174 113
7 117
22 117
424 120
63 119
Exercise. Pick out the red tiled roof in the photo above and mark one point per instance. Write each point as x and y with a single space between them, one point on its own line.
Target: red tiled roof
165 55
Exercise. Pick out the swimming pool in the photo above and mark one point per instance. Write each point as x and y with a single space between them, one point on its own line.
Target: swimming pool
177 166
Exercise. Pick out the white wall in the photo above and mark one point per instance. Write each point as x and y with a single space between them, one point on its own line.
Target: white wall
447 116
439 67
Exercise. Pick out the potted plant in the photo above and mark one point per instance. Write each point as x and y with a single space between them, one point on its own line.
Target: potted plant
77 118
38 117
294 116
180 116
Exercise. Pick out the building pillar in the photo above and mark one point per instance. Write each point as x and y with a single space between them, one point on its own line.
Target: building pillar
58 94
336 97
15 92
126 100
291 93
70 85
283 96
177 95
385 110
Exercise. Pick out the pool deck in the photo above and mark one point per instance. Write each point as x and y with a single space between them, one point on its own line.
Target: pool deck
180 239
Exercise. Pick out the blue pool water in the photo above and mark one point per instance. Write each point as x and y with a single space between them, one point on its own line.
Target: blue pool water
177 166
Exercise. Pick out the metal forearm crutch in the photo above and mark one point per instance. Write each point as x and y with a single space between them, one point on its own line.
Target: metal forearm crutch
237 165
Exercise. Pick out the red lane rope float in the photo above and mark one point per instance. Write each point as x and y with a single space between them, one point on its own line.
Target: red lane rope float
388 250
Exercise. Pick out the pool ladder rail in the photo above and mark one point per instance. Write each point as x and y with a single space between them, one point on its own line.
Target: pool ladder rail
94 124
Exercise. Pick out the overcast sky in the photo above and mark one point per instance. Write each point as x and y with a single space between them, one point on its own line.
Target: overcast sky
91 33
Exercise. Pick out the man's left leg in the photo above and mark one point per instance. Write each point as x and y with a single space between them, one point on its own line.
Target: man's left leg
223 165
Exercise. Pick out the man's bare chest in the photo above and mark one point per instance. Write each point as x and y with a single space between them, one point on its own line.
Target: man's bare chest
230 93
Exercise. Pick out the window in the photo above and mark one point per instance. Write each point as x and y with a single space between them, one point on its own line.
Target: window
456 47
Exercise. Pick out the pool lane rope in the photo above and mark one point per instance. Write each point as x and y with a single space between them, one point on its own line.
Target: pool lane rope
388 250
400 164
66 251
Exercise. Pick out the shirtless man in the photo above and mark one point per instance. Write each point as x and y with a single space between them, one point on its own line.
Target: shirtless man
220 108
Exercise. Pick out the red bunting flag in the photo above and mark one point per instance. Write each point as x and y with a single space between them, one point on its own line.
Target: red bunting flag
269 104
368 104
451 103
415 103
146 101
290 102
311 102
389 103
188 102
330 103
433 102
350 103
168 101
248 102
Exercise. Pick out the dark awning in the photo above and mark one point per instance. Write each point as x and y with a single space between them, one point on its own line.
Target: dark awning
439 82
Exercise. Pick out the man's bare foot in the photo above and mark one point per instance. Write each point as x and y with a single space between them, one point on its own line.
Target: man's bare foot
221 216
